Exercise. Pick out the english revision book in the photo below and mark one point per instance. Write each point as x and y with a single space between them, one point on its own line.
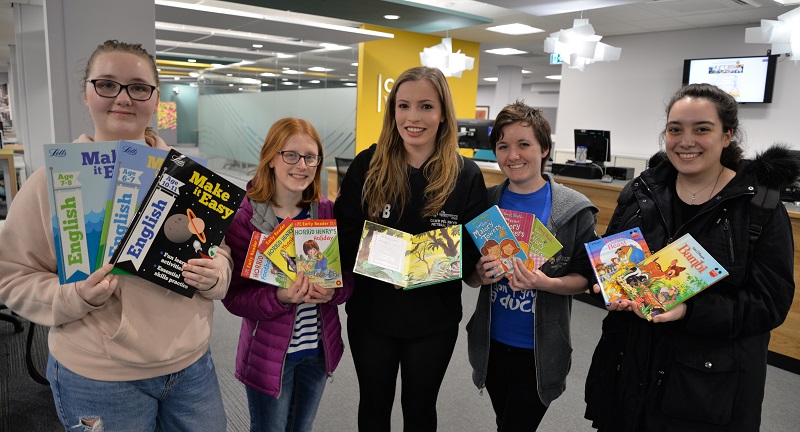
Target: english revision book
78 178
184 215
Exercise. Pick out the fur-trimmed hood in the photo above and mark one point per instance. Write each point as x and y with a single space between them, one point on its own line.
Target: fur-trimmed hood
775 167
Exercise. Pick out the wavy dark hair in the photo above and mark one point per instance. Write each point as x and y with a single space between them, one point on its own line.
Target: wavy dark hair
526 116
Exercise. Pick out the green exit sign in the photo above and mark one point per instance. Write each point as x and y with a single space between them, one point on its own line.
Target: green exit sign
555 59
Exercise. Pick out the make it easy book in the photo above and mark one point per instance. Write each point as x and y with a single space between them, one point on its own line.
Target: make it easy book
78 178
406 260
258 267
670 276
316 244
134 172
493 236
184 215
278 246
534 238
613 256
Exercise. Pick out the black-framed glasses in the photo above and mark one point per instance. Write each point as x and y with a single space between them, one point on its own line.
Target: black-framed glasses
292 157
110 89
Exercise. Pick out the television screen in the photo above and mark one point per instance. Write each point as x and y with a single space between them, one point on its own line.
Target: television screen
597 143
747 79
474 133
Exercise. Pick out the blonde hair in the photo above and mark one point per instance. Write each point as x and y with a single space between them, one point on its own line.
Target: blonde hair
387 178
263 185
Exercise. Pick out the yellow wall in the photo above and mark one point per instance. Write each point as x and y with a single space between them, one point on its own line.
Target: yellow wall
381 62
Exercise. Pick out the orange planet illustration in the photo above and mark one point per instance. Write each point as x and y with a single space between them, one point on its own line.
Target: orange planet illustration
196 225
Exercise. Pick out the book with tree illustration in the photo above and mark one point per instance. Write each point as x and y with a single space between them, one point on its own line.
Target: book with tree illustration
316 243
493 236
670 276
612 256
534 238
258 267
406 260
78 178
185 214
278 246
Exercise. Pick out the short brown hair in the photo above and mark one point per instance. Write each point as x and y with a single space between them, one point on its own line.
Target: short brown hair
518 112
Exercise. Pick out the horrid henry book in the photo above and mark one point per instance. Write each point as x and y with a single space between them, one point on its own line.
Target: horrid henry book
258 267
78 179
316 242
493 236
671 276
184 215
612 256
278 246
406 260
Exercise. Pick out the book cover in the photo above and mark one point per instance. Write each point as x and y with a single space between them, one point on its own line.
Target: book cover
613 256
279 248
521 225
78 178
670 276
493 236
185 214
316 244
406 260
543 244
258 267
134 171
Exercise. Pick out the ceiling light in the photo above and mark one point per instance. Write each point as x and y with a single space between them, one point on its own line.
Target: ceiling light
258 46
505 51
333 47
442 57
314 81
158 69
240 89
350 84
291 72
217 65
228 74
788 2
177 78
580 46
783 34
192 84
283 56
268 74
354 64
191 60
491 79
515 29
319 69
194 74
391 17
553 77
264 85
230 85
287 83
526 71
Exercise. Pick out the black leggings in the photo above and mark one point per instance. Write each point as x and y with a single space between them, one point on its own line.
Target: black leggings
423 362
511 383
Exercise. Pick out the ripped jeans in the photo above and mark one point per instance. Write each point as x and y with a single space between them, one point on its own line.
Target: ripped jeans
188 400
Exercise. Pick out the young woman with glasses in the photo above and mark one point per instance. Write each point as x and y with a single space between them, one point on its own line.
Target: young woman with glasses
413 180
125 354
290 341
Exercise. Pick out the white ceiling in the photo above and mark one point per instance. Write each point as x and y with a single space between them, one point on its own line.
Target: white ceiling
286 32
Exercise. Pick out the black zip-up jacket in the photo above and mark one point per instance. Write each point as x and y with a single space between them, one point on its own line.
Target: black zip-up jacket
707 371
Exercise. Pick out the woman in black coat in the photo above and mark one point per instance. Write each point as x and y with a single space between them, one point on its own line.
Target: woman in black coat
702 365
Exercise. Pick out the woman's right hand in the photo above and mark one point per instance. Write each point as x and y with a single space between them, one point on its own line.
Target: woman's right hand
489 269
98 287
619 305
297 292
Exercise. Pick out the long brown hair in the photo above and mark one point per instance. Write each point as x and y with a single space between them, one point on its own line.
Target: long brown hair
113 45
263 185
387 177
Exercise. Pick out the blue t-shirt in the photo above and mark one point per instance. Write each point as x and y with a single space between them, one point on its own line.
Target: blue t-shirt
512 311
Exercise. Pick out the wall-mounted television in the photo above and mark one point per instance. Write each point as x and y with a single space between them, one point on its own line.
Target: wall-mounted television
597 143
747 79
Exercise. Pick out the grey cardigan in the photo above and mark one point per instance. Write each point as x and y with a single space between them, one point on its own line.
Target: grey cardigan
572 221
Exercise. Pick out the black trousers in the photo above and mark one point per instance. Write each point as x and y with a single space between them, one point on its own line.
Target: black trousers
422 362
511 383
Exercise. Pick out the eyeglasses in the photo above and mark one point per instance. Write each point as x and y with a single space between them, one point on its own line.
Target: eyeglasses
111 89
292 157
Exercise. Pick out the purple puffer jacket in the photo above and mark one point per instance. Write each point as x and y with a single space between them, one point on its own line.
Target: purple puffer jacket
266 323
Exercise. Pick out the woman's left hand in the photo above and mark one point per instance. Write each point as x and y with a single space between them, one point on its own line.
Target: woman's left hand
674 314
523 279
317 294
201 273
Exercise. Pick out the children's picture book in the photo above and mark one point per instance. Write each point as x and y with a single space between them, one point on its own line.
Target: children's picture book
78 178
613 256
406 260
258 267
279 248
316 243
670 276
493 236
135 169
184 215
543 244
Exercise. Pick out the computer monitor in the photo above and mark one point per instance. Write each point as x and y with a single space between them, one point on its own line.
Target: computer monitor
474 133
597 143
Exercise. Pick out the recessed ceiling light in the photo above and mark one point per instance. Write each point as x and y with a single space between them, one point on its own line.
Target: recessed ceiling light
526 71
287 83
314 81
505 51
284 79
291 72
264 85
553 77
490 79
391 17
230 85
283 56
177 78
350 84
228 74
351 74
191 60
333 47
268 74
240 89
216 65
258 46
158 70
515 29
354 64
194 74
319 69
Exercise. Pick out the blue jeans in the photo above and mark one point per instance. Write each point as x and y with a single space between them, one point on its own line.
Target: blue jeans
189 400
294 410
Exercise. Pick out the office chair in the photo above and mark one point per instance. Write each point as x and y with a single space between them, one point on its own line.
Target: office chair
341 167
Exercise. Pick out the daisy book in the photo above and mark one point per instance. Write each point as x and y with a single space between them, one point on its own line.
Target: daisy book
258 267
406 260
278 246
671 276
316 244
612 256
184 215
493 236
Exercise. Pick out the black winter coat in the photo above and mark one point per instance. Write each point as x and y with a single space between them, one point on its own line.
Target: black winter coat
707 371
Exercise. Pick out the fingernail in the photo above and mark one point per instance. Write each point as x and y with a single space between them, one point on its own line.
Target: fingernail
608 304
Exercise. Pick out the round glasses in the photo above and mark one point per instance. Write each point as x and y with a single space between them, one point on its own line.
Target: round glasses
111 89
292 157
